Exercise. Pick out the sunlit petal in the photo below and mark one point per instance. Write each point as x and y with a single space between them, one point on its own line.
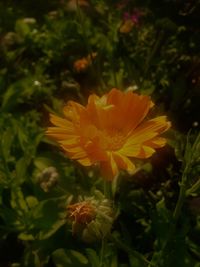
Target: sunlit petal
109 168
124 163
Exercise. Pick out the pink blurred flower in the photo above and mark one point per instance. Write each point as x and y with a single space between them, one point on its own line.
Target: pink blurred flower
134 16
122 4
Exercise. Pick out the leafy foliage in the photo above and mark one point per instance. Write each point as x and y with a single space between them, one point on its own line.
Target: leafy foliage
156 214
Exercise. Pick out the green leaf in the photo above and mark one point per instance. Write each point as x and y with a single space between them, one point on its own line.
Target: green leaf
25 237
18 201
18 92
32 201
147 87
188 151
69 258
42 162
6 142
22 136
161 222
23 27
49 216
114 261
9 96
21 167
93 257
31 259
135 262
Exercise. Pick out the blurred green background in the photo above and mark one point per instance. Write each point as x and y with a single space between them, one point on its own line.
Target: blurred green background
157 53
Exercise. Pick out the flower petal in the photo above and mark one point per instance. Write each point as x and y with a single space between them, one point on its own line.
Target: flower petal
59 133
129 109
145 152
75 152
70 140
124 163
157 125
137 143
156 142
130 150
60 122
85 161
73 111
109 168
148 130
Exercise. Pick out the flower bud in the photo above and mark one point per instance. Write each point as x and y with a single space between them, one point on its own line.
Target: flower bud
82 64
48 178
91 219
10 39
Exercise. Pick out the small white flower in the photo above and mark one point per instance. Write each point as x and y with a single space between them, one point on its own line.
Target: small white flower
37 83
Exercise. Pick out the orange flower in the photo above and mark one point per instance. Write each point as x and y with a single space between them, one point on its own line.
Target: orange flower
83 63
127 26
109 131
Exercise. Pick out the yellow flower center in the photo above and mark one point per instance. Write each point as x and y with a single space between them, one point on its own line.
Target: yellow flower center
114 139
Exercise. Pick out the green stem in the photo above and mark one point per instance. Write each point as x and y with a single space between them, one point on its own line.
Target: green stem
102 252
179 204
182 194
5 165
115 185
61 189
134 253
114 72
194 188
183 184
107 189
178 207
